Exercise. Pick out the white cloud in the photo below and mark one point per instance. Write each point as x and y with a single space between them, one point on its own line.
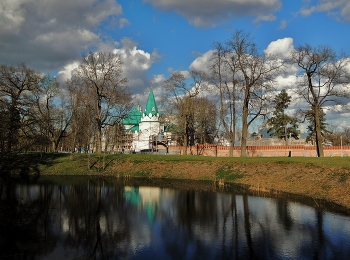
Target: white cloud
136 63
66 72
123 22
208 13
336 8
265 18
158 79
185 73
203 62
280 48
285 82
283 25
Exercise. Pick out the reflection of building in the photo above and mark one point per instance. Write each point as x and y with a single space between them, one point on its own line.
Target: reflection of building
146 197
145 127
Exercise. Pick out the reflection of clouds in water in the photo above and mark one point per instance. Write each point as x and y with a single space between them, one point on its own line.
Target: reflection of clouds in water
171 223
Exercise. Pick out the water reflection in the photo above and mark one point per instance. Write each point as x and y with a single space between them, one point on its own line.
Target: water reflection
104 219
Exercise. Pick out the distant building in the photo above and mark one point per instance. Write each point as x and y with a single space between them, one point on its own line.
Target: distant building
144 126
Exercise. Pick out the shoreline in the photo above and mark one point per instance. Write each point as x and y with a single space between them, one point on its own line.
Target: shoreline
325 179
325 183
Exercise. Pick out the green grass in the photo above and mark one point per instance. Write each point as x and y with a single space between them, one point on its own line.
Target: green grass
58 163
228 173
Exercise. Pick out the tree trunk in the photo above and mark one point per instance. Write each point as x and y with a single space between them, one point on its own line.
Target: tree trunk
231 148
99 141
232 142
319 138
54 146
245 125
244 132
185 144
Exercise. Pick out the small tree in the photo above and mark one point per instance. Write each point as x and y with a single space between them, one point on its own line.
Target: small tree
205 120
281 125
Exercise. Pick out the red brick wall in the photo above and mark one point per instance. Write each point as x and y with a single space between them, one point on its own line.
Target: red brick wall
265 151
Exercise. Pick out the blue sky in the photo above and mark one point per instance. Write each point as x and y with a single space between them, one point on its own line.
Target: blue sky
157 37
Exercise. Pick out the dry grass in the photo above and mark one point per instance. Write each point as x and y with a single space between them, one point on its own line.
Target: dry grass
323 178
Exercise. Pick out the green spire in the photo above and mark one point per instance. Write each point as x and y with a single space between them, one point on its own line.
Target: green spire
151 106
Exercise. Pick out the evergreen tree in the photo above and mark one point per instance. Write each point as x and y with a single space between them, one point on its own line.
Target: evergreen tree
311 129
280 124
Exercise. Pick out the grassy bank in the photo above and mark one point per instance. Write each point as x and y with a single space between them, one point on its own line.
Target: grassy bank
323 178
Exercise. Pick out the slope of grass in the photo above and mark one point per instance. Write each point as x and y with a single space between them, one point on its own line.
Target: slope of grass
80 162
327 178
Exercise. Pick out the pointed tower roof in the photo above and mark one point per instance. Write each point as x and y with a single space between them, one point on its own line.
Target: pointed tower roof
151 106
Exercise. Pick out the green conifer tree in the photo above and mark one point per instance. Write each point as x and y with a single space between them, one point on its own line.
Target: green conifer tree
311 129
281 125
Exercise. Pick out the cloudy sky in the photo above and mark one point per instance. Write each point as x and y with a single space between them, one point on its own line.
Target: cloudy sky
157 37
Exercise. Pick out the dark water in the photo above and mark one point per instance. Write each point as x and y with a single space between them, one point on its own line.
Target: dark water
90 218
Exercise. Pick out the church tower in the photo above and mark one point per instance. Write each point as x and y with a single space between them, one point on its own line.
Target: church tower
143 124
149 125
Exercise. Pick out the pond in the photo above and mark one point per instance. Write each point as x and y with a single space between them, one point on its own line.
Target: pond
101 218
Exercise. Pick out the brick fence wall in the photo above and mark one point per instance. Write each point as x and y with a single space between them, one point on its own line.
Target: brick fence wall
262 151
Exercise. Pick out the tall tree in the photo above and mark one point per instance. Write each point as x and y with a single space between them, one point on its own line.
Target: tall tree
224 73
100 76
254 77
322 80
280 124
16 86
82 117
181 97
53 111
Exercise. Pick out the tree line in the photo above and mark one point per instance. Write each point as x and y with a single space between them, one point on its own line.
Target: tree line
39 114
239 87
242 84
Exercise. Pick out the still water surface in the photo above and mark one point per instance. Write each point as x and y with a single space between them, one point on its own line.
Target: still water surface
91 218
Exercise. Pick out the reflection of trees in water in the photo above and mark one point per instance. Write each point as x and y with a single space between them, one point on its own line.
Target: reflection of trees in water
283 214
96 221
25 230
203 221
229 224
247 228
88 218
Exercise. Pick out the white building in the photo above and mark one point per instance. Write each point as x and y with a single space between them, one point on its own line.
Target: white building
144 125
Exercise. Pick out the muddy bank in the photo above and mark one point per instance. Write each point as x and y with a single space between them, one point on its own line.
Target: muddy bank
320 182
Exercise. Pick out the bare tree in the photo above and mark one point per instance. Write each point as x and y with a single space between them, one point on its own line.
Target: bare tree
180 97
101 80
82 117
323 80
224 72
205 117
16 86
53 111
254 78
